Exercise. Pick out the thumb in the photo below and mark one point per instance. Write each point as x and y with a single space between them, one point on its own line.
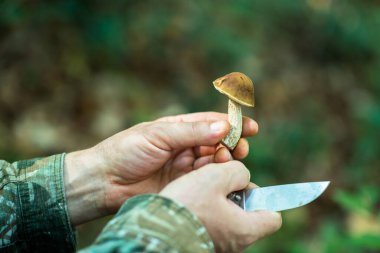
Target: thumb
180 135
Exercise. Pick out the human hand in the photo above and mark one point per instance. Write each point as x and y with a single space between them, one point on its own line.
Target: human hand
144 158
204 192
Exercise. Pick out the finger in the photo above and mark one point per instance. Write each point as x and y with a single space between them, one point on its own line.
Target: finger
202 161
241 150
254 225
180 135
252 185
250 127
204 150
262 223
184 162
222 155
231 176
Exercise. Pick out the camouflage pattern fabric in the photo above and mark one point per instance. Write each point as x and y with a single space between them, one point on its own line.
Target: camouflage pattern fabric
151 223
34 217
33 213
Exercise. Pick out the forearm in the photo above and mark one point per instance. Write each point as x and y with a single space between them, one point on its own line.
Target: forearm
152 223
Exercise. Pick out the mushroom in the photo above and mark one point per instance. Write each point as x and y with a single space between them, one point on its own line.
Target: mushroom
239 89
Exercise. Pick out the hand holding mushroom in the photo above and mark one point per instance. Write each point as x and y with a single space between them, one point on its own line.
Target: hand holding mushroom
144 158
239 89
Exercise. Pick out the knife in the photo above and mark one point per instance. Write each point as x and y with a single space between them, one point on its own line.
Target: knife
278 197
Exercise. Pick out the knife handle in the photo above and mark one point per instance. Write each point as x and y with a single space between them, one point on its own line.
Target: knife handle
238 198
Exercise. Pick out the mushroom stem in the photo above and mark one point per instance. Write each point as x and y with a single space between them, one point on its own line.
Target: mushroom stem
235 119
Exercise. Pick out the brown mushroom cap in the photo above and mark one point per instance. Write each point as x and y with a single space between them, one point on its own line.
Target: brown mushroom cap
237 87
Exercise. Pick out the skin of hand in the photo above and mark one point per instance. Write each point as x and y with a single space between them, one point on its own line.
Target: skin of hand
204 192
144 159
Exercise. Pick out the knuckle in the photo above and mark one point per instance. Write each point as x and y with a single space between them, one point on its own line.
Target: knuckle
194 132
158 128
145 129
233 168
208 174
155 132
237 165
197 130
215 171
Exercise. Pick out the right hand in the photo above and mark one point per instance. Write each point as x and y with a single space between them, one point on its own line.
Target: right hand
204 192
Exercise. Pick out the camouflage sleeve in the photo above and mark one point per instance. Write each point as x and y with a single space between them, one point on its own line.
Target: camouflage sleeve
33 212
151 223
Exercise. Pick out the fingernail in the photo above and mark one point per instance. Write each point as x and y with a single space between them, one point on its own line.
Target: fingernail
217 126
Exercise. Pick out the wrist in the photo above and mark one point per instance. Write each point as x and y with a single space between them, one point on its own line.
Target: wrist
84 185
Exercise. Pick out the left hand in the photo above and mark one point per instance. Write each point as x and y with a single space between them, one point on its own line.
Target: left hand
144 159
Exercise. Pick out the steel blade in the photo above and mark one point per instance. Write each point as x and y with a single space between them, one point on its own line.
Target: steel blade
282 197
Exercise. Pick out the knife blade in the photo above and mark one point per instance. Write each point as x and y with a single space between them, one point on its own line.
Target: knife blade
278 197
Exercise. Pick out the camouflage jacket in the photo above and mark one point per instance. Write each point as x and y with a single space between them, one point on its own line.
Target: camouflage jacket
34 216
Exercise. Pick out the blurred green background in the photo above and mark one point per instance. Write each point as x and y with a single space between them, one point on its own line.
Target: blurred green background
75 72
